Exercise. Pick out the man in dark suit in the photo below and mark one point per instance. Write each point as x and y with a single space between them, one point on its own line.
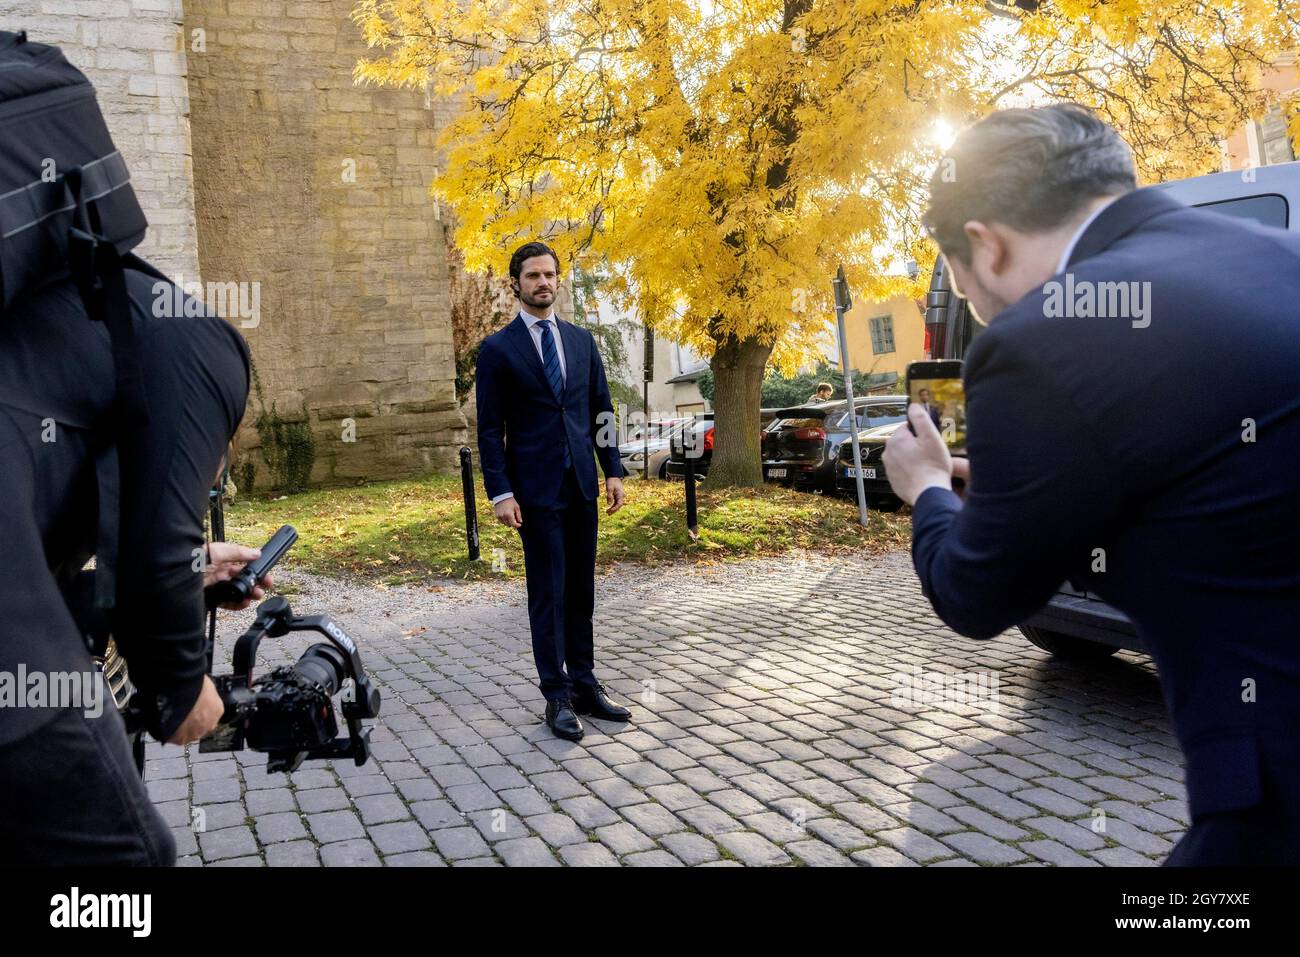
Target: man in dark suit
923 397
1156 426
543 407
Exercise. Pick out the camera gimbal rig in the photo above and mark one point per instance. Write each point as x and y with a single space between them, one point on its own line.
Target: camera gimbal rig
288 713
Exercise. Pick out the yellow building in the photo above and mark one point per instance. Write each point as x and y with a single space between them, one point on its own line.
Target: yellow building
883 338
1264 141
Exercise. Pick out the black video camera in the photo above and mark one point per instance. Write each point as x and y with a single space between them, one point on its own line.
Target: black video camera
289 713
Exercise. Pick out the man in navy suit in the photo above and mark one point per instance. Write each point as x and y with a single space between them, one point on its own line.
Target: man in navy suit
543 408
923 397
1133 406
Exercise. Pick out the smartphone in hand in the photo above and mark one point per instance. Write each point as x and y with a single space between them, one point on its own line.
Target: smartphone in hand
937 386
241 585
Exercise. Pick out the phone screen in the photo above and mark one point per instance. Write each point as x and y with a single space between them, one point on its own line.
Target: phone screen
945 400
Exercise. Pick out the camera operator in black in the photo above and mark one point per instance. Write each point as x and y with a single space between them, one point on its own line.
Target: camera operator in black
71 793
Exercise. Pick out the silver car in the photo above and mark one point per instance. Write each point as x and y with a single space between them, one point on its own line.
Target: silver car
633 452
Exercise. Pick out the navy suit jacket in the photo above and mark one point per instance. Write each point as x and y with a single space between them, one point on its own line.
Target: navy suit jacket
522 428
1174 449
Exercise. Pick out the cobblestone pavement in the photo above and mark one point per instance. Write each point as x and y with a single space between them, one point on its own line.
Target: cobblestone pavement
769 729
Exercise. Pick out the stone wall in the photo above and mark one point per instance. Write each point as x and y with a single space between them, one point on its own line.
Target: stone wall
317 190
133 51
309 187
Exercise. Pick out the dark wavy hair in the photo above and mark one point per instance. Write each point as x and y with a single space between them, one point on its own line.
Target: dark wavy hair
528 251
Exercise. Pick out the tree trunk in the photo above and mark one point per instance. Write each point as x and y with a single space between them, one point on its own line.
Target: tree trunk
737 394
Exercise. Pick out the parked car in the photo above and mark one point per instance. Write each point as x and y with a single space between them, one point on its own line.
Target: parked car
696 439
769 421
1074 623
632 453
675 464
801 447
875 483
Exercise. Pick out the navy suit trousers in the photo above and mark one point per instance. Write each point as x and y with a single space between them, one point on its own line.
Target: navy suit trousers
560 565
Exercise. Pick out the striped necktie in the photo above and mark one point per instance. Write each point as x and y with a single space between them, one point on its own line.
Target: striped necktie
551 363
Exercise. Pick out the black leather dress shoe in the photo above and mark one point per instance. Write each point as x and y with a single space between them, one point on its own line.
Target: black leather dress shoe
595 702
561 720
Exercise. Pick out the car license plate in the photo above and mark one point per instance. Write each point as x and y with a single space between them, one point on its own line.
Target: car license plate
866 473
776 473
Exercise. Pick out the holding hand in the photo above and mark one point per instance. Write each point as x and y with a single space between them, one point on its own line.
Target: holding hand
961 472
914 463
203 717
225 559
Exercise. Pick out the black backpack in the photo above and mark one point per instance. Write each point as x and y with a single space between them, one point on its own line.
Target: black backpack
67 210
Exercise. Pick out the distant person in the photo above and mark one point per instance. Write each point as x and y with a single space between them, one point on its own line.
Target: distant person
823 393
1094 443
932 410
541 388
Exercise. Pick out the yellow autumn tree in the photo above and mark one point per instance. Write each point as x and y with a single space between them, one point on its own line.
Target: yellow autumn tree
721 157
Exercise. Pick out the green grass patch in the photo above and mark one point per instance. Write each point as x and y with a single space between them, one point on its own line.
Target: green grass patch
413 531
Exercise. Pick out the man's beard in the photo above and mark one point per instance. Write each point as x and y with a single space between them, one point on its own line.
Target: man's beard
528 299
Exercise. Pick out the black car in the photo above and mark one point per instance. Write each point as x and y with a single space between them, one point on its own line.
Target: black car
875 483
801 446
695 440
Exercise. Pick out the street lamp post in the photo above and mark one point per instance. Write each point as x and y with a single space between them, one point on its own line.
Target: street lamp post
843 303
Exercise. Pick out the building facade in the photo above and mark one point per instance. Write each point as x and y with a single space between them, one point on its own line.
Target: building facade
883 338
262 168
1264 140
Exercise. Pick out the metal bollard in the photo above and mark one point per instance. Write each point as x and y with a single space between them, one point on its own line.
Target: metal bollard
692 518
467 489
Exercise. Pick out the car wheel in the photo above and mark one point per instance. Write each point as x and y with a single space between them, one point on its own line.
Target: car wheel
890 504
663 471
1069 647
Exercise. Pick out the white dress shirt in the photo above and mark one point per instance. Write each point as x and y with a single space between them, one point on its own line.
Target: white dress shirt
535 329
534 324
1078 234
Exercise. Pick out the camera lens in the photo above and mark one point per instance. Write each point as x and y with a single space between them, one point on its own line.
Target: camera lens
323 664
